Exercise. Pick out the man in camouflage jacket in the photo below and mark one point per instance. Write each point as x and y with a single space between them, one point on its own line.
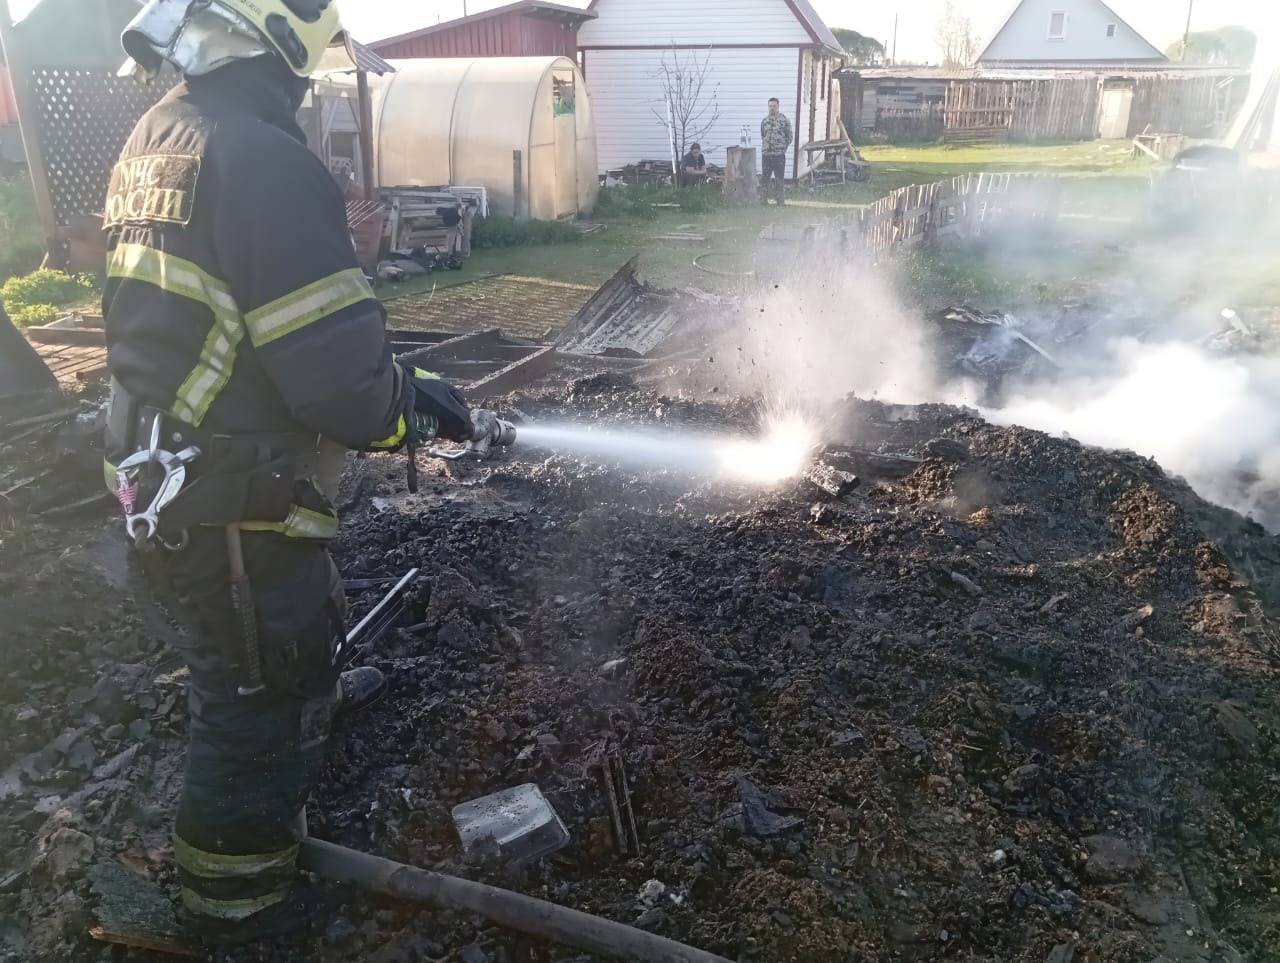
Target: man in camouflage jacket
775 140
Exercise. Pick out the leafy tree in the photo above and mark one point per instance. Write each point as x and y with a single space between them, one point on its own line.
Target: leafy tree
1226 46
864 51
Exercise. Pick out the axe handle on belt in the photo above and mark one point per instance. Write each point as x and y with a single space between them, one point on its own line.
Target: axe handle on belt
250 656
412 450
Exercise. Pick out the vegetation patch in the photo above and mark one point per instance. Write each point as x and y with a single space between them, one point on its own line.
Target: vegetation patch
492 232
648 201
34 299
21 240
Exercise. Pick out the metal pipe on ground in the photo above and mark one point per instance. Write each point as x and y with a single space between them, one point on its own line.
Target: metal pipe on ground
535 917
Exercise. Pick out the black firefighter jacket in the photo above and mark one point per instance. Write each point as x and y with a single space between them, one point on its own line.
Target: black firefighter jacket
234 300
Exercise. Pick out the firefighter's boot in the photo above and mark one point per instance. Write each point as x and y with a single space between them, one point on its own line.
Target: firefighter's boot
359 689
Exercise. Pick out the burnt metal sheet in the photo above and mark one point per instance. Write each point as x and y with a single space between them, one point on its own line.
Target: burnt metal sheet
608 297
624 317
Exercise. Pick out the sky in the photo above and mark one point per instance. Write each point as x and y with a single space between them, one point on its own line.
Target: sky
1160 21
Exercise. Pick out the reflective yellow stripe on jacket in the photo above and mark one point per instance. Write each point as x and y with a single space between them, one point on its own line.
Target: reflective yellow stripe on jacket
307 305
212 370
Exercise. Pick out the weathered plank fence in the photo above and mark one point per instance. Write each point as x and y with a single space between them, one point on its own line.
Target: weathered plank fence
969 206
896 104
966 206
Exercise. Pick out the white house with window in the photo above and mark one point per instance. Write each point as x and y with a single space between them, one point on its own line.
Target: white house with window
741 51
1068 34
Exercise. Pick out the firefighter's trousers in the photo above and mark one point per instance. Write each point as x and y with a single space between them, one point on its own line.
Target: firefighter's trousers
252 760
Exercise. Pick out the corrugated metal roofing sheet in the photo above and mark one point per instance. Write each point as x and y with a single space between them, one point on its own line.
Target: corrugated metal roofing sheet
369 61
356 56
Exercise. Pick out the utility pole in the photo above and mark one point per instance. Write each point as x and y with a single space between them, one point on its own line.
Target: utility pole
1186 36
893 57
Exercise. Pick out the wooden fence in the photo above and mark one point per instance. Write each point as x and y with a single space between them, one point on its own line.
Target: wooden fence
1064 108
969 206
900 126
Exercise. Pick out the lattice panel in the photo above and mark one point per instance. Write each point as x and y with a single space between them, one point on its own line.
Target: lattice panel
85 118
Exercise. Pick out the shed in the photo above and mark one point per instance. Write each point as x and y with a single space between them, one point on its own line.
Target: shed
521 127
751 50
528 28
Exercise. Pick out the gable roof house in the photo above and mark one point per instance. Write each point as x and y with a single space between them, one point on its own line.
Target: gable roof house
752 50
1080 34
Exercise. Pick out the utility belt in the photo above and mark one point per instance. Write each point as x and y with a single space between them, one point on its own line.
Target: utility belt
263 481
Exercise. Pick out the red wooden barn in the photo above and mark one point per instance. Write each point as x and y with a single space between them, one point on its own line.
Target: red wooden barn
529 28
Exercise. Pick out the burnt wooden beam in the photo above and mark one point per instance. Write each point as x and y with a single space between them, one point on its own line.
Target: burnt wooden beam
516 375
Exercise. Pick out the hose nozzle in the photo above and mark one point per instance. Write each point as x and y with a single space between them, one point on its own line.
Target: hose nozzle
490 432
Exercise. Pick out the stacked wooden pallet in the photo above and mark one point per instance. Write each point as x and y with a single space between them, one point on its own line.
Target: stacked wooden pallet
417 218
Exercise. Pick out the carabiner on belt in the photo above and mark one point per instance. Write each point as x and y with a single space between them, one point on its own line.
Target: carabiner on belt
143 527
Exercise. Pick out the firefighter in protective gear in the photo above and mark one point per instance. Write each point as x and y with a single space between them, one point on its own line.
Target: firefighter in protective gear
236 314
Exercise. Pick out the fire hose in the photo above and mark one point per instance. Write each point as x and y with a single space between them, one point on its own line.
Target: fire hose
515 911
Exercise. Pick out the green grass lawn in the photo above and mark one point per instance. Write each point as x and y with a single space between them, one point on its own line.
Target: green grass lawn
1104 181
1092 159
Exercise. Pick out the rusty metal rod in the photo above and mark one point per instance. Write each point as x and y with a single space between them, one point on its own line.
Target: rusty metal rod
536 917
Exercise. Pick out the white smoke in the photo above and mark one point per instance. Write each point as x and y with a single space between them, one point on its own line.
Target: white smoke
1200 415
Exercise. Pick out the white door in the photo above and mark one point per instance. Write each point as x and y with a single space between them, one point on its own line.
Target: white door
565 105
1117 103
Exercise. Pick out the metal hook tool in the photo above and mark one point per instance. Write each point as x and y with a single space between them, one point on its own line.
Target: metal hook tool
144 526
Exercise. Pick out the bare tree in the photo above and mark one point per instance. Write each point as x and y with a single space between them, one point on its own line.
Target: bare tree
690 106
955 38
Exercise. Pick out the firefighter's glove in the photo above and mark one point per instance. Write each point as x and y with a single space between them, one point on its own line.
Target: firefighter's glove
443 404
421 428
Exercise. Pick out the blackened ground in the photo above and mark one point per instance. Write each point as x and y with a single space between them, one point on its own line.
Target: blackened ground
1018 705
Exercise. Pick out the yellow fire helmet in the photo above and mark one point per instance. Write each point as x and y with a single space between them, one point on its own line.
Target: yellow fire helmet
198 36
300 30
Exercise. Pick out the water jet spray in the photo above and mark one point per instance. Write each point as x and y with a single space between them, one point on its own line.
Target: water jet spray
779 452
